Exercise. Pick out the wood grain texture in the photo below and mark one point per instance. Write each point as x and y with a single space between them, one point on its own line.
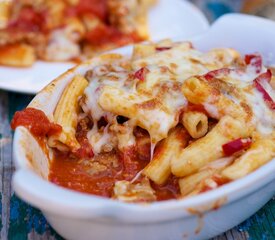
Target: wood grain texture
20 221
6 162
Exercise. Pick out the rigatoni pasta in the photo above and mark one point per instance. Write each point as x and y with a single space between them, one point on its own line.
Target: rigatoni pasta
196 123
159 168
194 183
66 115
198 91
209 147
167 122
260 152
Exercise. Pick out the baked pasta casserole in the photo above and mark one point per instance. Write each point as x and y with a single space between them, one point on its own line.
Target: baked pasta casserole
63 30
166 122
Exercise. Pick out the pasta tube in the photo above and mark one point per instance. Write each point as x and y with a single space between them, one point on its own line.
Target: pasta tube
197 91
158 170
208 183
196 123
189 183
208 148
194 183
66 115
260 152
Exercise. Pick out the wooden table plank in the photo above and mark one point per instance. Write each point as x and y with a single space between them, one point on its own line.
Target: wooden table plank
6 162
21 221
262 224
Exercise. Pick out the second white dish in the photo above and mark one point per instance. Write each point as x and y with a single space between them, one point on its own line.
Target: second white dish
169 18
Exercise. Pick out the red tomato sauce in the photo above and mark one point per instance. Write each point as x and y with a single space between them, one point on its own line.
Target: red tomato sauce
87 173
28 20
31 20
79 175
104 34
169 190
81 135
95 7
97 175
36 121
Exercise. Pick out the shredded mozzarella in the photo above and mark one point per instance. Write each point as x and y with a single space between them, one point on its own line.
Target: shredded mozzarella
263 116
157 97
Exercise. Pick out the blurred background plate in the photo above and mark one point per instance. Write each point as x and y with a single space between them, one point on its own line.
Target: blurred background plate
169 18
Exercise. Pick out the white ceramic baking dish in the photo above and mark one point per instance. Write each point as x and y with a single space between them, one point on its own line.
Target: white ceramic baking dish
79 216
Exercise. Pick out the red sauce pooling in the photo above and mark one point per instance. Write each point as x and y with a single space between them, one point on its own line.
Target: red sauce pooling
36 121
97 175
81 175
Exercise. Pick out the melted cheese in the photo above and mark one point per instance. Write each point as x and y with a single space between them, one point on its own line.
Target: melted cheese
181 63
263 117
243 78
156 101
126 138
99 140
212 110
131 192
